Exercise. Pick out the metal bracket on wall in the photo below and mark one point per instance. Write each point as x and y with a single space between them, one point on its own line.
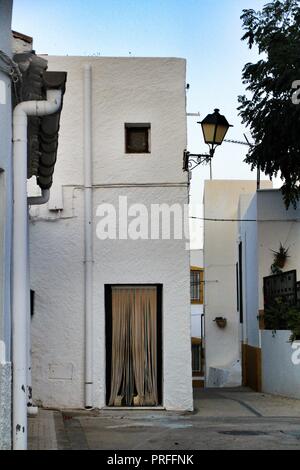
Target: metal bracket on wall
192 160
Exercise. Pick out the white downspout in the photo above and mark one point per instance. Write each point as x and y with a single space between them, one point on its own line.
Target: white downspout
39 200
20 258
88 236
31 201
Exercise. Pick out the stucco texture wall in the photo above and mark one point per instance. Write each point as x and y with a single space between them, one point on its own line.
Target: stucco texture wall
124 90
57 276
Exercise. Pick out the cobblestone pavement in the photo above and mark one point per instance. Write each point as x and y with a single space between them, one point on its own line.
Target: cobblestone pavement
222 419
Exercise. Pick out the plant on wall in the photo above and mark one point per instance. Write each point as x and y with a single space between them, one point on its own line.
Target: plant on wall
275 316
280 259
293 323
282 316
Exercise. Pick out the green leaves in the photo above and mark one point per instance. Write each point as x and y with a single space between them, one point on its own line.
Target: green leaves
281 316
267 109
293 323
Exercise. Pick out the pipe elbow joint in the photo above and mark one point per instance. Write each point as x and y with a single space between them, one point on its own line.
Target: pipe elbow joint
52 105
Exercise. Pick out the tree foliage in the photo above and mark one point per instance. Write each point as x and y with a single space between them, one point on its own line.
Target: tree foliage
270 113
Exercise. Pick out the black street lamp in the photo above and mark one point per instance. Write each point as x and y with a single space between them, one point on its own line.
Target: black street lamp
214 128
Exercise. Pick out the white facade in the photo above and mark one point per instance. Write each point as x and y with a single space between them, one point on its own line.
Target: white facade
222 346
5 230
196 309
124 90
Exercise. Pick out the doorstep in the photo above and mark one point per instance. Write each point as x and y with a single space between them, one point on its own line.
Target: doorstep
130 408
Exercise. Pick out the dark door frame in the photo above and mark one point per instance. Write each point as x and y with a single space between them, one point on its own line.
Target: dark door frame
108 335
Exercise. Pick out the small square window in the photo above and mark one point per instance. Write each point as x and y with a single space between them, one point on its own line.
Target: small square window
137 138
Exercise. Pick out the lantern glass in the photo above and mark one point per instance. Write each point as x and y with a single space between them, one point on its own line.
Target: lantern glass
214 128
208 132
221 131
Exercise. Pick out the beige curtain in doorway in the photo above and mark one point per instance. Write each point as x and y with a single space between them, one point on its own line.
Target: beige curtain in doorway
134 347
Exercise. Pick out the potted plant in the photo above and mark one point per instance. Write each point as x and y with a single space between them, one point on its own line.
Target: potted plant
280 258
221 322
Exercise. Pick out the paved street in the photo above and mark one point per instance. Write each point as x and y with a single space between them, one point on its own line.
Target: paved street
223 419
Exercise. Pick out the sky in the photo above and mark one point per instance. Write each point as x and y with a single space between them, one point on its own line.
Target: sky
207 33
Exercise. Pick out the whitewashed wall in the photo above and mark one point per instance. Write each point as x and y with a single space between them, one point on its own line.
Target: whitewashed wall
280 364
124 90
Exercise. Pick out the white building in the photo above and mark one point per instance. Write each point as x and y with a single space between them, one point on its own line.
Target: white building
222 318
137 111
5 227
270 361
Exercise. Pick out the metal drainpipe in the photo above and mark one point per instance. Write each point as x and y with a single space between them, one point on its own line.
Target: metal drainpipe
88 236
20 258
31 201
39 200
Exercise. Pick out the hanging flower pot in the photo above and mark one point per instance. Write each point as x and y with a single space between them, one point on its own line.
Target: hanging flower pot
221 322
280 257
